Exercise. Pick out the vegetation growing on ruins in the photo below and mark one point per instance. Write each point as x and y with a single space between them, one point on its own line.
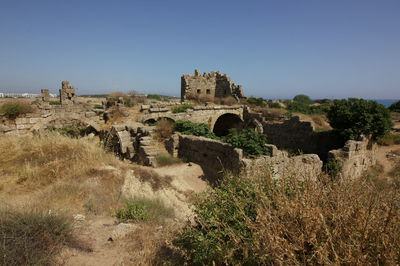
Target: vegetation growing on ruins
395 107
248 140
32 237
165 159
164 129
182 108
355 117
256 220
195 129
13 109
256 101
140 209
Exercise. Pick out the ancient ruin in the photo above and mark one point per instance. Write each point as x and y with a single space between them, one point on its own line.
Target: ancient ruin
209 85
67 93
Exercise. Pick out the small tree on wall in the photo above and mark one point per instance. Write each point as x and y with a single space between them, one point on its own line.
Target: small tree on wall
355 117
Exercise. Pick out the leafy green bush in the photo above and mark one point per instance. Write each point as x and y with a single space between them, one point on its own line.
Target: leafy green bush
32 237
14 109
98 106
190 128
154 97
354 117
143 209
182 108
395 107
333 167
256 101
302 98
248 140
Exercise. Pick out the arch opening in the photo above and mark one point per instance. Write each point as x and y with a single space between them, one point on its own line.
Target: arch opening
226 122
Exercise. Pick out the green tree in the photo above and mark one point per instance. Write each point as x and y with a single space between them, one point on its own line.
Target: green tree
354 117
302 98
395 107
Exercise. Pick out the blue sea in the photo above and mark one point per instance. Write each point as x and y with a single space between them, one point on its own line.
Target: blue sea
385 102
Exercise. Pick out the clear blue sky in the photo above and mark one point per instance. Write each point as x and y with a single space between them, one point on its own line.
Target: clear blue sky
275 49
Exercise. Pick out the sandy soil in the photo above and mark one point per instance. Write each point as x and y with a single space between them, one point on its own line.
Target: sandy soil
108 242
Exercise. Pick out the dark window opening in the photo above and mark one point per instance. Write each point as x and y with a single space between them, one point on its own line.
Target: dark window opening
198 91
208 91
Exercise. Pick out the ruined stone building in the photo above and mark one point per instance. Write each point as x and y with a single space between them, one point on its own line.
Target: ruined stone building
67 93
209 85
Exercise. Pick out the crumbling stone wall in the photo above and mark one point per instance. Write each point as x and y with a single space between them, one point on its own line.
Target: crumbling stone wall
67 93
215 157
355 157
296 135
210 85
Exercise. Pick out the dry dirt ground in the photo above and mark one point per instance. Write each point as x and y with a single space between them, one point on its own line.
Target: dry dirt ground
107 242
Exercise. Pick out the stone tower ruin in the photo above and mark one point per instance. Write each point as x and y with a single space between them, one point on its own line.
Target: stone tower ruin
67 93
209 85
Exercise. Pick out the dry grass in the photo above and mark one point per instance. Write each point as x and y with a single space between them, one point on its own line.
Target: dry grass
164 129
32 236
58 172
257 220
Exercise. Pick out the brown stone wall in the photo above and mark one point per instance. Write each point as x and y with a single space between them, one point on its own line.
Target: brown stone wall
355 157
212 85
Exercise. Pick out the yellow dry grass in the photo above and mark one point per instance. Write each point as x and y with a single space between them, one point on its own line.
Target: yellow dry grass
59 172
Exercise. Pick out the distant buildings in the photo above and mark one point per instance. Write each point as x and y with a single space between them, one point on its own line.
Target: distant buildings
22 95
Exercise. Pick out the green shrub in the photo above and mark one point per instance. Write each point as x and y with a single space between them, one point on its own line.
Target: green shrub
182 108
128 102
154 97
274 105
14 109
166 159
98 106
55 103
139 209
333 167
256 101
395 107
354 117
32 237
190 128
248 140
256 220
298 107
302 98
389 139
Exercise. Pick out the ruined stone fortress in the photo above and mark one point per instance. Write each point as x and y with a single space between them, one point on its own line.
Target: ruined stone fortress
134 140
210 85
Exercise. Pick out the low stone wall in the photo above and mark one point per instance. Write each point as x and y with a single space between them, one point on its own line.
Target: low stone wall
216 156
355 157
212 155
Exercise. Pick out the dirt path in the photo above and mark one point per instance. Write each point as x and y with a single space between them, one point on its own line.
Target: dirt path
383 157
111 243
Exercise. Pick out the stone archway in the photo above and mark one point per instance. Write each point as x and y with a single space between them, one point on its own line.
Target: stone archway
226 122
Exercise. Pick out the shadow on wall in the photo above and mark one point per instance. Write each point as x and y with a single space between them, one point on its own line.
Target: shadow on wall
226 122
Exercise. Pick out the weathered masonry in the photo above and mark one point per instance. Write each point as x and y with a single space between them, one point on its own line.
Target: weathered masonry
209 85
